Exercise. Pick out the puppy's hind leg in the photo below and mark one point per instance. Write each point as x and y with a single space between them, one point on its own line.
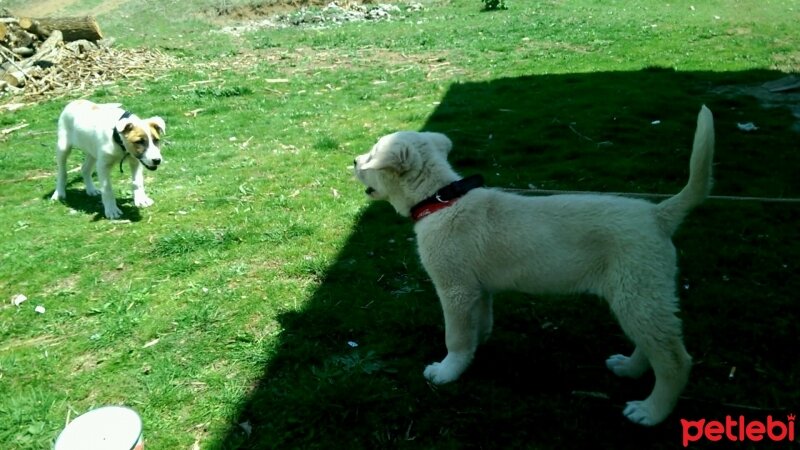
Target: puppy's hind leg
656 331
485 318
63 149
110 207
461 309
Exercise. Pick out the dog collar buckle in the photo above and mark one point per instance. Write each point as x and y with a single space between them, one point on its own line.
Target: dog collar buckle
445 196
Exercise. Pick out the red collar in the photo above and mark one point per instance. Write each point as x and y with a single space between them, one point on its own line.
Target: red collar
421 211
445 197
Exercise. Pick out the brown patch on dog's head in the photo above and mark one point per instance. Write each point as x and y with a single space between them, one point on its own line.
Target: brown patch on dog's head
155 132
137 139
157 127
140 139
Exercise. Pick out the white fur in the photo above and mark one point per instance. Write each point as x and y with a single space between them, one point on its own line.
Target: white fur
90 127
490 241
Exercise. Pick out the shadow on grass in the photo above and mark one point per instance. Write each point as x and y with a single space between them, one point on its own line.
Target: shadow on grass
79 200
347 372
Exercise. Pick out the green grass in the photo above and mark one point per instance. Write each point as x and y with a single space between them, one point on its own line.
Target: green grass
262 261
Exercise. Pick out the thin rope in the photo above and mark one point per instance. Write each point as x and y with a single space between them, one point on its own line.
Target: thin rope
652 196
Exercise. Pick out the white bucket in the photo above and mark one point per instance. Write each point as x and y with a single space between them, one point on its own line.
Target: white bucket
106 428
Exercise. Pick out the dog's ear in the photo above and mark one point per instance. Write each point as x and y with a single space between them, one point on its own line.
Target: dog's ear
396 155
440 142
158 123
124 126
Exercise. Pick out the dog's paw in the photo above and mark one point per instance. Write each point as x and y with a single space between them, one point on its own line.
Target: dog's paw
437 373
58 196
451 367
113 212
142 201
623 366
92 191
643 413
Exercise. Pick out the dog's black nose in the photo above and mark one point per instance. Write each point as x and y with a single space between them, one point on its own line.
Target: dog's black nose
355 163
156 161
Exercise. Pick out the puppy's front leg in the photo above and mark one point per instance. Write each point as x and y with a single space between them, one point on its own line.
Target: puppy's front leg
86 170
140 199
462 310
107 193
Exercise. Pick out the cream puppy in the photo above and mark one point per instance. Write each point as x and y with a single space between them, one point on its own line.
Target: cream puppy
475 241
107 134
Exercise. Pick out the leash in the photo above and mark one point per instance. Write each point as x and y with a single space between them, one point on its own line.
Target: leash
449 194
651 195
118 140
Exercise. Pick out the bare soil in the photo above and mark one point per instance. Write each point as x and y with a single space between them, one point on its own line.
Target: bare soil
222 13
254 11
48 8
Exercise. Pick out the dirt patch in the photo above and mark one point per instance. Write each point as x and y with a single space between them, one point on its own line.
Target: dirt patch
65 285
302 61
51 8
787 62
107 7
46 340
247 18
255 11
43 9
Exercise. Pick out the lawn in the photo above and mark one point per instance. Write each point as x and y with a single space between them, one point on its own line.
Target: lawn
264 302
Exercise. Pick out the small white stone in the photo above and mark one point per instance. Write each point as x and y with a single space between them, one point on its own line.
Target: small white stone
18 299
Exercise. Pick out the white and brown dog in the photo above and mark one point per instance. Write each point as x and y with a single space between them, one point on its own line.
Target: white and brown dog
475 241
107 134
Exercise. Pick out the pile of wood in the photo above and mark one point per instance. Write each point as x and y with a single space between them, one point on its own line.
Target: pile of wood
51 56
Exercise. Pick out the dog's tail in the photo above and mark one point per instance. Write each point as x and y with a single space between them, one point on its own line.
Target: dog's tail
671 212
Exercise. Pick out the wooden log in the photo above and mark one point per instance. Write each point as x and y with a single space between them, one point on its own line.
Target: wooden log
25 39
23 51
13 90
14 36
10 60
19 78
72 28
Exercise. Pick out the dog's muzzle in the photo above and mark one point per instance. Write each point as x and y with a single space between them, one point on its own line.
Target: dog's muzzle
156 163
